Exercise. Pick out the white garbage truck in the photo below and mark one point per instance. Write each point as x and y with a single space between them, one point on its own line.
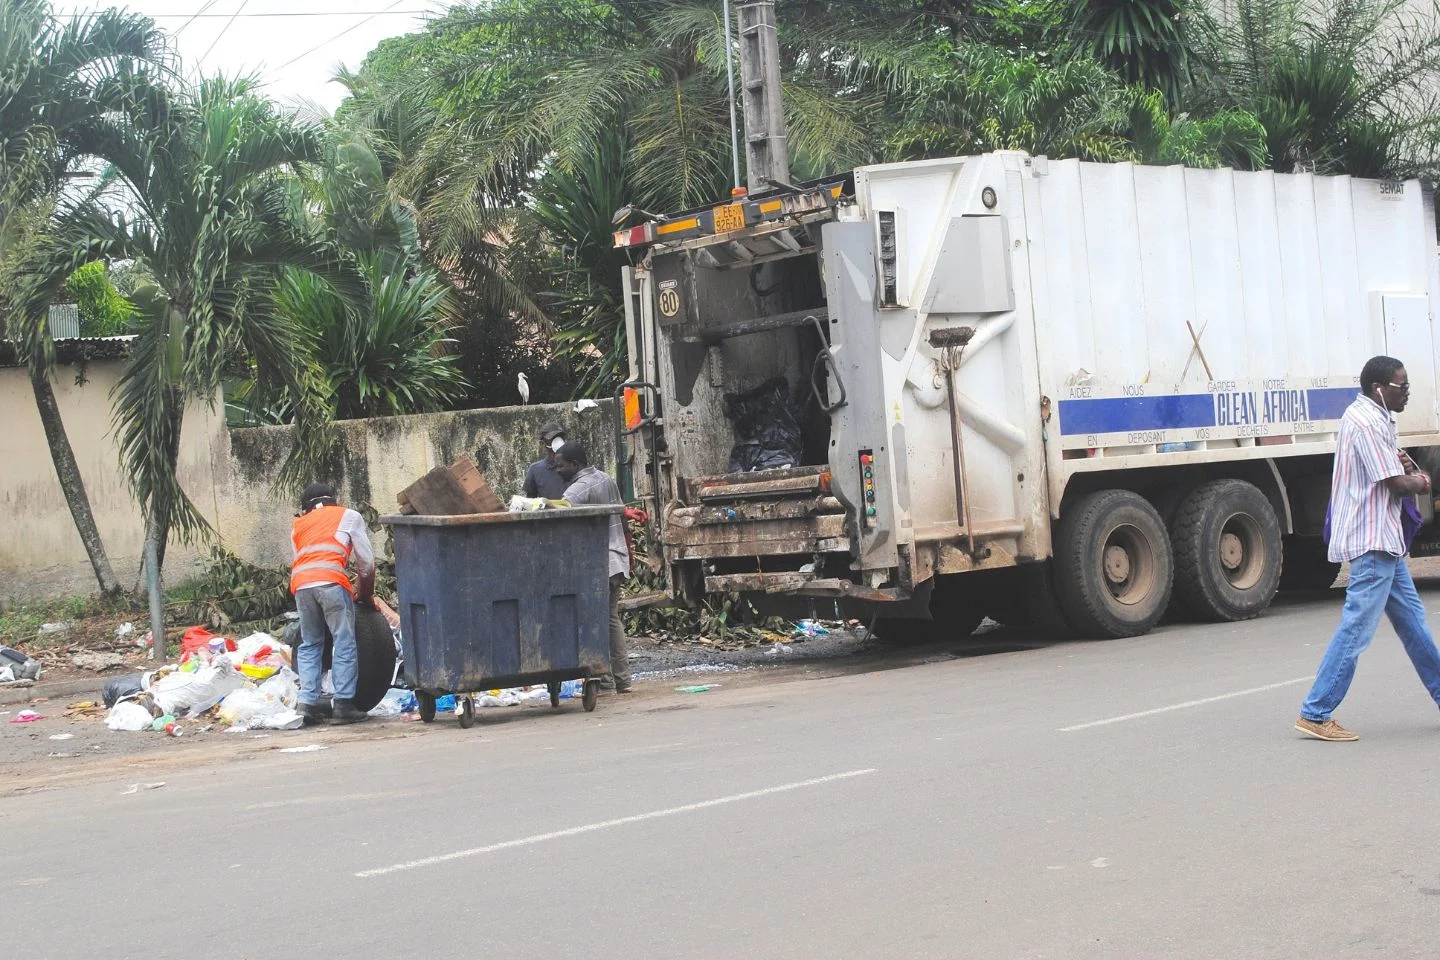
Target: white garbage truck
1075 394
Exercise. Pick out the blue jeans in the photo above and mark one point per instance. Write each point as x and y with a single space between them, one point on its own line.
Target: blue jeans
327 610
1379 583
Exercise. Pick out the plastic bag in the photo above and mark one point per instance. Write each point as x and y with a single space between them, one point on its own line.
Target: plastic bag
191 694
767 435
122 687
270 706
129 716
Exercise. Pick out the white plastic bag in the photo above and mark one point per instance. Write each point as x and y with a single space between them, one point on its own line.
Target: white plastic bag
129 716
191 694
270 706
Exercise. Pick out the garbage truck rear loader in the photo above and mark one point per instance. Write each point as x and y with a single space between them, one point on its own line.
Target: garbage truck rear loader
1073 393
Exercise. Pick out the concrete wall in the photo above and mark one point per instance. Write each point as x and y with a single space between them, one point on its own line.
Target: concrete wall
40 553
379 458
230 474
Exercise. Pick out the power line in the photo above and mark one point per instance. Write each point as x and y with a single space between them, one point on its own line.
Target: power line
188 17
197 13
337 36
228 24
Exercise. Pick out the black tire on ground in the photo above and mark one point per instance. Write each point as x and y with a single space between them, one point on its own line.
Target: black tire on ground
375 649
589 694
427 706
1307 567
1113 565
957 607
467 712
1226 540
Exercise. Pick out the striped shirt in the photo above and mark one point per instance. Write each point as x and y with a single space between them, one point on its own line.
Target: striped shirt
1364 512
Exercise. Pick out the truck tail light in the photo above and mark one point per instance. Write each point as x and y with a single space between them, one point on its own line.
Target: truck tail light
633 416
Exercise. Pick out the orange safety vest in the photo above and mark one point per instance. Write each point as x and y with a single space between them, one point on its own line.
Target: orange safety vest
320 557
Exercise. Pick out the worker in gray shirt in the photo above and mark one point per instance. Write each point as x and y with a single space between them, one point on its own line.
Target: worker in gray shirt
589 487
542 479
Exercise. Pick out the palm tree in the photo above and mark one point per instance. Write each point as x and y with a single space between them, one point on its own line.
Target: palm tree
213 222
63 87
1150 43
383 355
1340 86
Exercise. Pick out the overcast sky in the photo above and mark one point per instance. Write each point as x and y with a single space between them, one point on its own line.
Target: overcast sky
295 56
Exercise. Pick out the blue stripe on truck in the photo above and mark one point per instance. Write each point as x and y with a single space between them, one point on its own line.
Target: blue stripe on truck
1182 411
1127 414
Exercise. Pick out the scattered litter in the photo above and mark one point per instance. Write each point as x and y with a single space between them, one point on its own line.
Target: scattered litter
62 756
98 662
26 716
308 748
125 631
445 704
780 650
697 688
688 670
582 405
1100 862
811 628
395 703
137 787
61 627
62 736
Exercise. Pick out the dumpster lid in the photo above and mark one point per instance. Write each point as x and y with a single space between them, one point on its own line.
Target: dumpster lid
528 516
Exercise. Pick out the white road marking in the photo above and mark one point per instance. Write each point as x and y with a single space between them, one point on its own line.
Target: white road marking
607 824
1186 705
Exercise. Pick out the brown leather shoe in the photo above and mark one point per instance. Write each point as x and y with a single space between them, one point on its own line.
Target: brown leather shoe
1326 730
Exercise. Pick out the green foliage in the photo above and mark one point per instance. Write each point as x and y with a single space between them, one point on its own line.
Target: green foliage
103 312
230 590
1149 43
382 354
1340 86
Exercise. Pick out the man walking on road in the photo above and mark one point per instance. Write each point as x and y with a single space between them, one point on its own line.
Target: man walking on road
324 537
542 479
1371 477
589 487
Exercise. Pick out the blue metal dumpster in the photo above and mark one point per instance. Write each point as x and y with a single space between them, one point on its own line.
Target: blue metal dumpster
503 600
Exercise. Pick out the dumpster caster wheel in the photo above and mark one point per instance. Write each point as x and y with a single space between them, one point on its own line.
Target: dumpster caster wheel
427 706
467 712
590 694
554 688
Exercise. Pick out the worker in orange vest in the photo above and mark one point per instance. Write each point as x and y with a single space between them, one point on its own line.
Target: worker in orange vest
324 538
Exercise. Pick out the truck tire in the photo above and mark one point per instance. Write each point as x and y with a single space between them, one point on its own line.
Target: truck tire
1227 552
1306 566
1113 565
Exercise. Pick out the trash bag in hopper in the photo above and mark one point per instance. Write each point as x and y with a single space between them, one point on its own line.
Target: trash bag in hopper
767 435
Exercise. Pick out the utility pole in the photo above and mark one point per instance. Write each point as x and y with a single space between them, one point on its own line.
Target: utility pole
767 160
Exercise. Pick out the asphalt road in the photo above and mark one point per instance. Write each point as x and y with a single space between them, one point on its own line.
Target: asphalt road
1132 799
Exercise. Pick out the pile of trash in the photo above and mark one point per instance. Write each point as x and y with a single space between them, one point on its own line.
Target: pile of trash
247 684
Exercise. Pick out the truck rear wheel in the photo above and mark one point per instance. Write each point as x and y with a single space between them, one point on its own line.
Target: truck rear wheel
1227 552
1113 565
1307 565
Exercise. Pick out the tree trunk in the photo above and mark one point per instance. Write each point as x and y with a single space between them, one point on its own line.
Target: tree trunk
157 532
68 472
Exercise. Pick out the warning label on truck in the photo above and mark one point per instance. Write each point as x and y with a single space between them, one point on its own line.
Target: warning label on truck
1229 409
